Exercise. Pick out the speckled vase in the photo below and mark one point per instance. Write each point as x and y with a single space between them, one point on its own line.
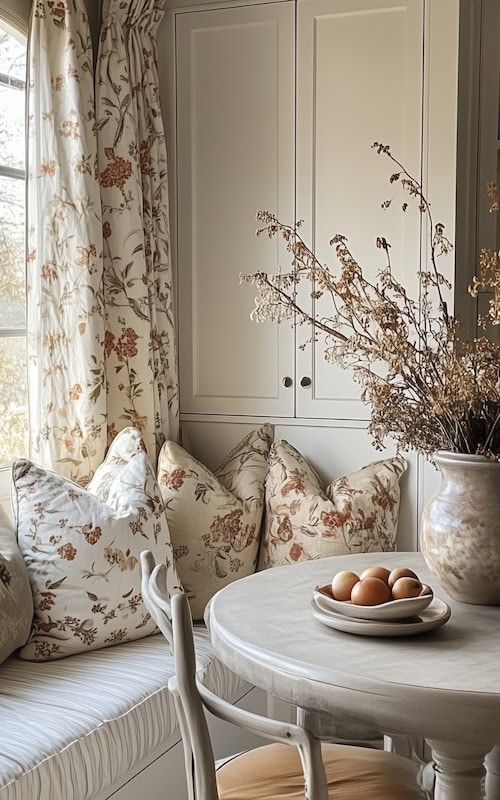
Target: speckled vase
460 529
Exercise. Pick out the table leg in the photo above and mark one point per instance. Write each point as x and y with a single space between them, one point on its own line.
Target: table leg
492 763
459 770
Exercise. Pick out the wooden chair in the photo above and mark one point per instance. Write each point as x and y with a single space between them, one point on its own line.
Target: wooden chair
307 769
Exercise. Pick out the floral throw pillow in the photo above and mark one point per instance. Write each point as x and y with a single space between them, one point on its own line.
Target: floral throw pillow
16 602
82 548
357 513
214 517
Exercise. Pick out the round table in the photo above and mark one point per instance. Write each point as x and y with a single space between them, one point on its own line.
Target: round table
443 685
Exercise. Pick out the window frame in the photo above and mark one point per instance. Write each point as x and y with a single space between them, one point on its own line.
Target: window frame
17 26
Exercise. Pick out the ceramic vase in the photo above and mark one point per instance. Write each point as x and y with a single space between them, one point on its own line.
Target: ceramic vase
460 528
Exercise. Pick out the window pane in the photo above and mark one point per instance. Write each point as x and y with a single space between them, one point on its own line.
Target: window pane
12 145
13 380
13 399
12 271
12 56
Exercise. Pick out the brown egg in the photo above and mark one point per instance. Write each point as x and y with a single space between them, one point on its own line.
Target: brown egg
400 572
370 592
406 587
376 572
342 584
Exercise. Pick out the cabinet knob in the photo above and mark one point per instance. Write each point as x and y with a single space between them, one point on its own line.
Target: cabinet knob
305 381
287 382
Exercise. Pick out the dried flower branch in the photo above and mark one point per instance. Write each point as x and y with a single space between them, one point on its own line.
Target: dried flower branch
428 388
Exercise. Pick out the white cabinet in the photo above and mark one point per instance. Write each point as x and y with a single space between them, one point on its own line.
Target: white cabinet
235 132
359 81
276 107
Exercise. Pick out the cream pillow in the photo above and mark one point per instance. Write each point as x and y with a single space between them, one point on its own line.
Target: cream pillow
214 517
82 547
357 513
16 600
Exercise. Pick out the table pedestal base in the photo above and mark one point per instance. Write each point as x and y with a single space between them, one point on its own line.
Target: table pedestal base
493 774
459 771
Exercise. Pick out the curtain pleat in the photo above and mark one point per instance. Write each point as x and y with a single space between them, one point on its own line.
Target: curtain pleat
101 337
141 369
67 399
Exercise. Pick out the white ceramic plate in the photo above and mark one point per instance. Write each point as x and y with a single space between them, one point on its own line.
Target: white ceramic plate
436 614
390 611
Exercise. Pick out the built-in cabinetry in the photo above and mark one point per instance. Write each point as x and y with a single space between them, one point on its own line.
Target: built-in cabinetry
275 106
235 134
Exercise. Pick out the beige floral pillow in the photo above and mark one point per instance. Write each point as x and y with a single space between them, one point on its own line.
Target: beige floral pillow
16 601
214 517
357 513
82 547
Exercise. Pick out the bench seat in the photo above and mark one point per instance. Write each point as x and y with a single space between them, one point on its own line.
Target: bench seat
70 728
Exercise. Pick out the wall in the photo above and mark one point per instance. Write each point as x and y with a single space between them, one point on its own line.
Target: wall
16 12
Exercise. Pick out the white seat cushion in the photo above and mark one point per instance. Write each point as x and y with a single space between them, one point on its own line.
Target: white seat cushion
70 728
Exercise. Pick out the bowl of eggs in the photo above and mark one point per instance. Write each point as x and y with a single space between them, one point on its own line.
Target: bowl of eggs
377 594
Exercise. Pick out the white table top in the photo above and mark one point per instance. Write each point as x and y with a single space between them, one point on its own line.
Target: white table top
444 684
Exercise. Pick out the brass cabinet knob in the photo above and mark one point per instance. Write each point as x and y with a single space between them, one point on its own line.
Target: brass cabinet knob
305 381
287 382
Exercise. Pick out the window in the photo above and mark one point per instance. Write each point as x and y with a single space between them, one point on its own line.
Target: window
13 385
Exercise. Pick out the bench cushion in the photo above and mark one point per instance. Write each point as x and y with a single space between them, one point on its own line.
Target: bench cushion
70 728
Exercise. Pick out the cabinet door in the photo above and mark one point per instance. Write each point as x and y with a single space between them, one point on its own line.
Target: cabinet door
235 155
359 67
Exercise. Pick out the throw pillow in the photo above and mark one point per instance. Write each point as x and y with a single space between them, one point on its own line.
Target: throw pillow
357 513
214 517
82 547
16 601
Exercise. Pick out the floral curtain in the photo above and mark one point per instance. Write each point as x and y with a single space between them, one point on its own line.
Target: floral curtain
67 400
100 322
139 340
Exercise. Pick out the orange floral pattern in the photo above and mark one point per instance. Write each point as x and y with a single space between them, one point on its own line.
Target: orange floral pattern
357 513
100 321
82 546
16 601
64 266
141 364
214 517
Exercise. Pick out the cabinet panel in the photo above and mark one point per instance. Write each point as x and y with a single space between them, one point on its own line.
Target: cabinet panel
359 67
235 155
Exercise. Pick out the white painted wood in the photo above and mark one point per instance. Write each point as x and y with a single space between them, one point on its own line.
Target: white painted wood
162 777
191 697
359 68
334 449
439 165
489 123
235 145
459 771
492 784
16 12
442 686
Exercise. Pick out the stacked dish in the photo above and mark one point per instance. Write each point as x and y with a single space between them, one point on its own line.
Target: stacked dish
405 617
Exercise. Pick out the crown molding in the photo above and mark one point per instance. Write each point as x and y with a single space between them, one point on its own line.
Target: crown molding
16 13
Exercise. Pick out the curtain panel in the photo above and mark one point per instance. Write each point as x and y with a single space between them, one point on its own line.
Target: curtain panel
139 340
100 308
65 318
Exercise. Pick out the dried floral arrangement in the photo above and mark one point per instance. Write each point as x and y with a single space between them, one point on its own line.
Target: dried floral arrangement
429 387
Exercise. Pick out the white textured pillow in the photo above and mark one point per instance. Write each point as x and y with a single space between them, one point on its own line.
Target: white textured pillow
214 517
357 513
16 601
82 547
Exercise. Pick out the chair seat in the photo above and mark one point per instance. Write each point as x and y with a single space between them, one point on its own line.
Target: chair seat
274 772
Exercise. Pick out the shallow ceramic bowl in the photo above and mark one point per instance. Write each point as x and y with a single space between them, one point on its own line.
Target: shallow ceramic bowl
387 612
